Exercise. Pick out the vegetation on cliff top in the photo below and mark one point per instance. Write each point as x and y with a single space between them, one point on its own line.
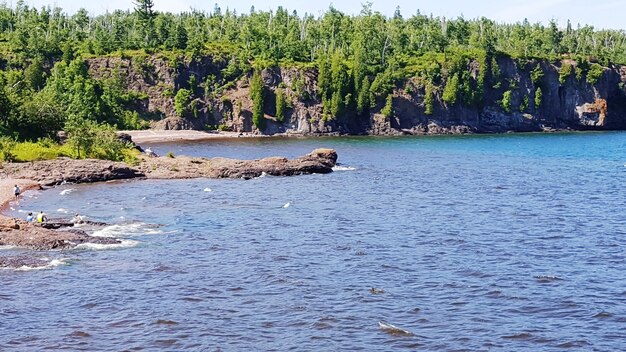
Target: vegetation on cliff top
45 85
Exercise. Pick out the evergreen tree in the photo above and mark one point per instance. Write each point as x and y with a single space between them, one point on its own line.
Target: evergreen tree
257 95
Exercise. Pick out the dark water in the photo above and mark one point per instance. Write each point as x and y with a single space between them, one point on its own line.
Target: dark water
502 243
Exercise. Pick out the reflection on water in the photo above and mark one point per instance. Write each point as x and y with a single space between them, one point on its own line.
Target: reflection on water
464 243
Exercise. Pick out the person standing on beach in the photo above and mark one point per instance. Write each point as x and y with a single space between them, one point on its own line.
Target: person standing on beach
16 191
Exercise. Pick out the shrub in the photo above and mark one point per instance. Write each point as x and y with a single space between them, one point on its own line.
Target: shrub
450 92
506 101
429 100
564 72
280 104
181 101
595 73
170 155
537 75
538 97
388 109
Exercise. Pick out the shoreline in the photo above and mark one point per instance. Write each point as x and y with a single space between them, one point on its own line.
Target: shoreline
167 136
6 191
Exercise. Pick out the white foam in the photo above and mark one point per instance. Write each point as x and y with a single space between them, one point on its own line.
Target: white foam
52 264
62 210
263 174
287 205
134 229
392 329
100 247
343 168
67 191
208 190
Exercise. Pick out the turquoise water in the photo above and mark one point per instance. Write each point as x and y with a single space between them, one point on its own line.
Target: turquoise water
499 242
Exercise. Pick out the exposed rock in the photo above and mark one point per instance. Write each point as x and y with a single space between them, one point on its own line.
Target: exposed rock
319 161
565 104
57 171
17 262
32 236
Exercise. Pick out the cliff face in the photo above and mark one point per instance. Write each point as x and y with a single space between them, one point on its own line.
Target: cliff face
568 100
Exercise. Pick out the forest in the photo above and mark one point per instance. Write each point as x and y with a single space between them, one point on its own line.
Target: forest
45 85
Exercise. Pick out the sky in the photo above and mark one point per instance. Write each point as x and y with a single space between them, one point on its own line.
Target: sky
607 14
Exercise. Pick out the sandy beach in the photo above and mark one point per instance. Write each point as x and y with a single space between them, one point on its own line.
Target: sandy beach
6 189
156 136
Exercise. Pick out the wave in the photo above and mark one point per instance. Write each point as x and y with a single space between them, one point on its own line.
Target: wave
208 190
67 191
51 263
62 210
132 229
343 168
101 247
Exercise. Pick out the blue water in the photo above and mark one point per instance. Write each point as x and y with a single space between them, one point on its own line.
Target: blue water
500 243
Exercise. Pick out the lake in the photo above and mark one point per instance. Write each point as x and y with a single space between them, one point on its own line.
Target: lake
494 242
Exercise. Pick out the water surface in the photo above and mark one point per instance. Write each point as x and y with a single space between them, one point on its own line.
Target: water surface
504 243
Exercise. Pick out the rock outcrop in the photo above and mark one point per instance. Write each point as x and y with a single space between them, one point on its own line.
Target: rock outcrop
567 101
18 233
319 161
57 171
54 172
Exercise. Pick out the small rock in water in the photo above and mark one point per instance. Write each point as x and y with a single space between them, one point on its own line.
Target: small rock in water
376 291
392 329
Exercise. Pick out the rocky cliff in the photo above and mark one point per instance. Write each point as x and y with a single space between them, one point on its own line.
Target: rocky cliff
570 98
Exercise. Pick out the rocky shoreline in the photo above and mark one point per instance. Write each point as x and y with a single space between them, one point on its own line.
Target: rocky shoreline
36 175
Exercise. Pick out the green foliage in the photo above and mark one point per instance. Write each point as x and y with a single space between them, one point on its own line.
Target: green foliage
362 102
506 101
564 72
170 155
360 58
537 75
595 73
524 106
89 139
181 101
451 91
388 109
538 97
257 93
495 71
280 104
429 99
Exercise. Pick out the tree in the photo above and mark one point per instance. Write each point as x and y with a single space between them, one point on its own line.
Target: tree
257 94
181 101
362 103
388 109
450 92
429 99
280 104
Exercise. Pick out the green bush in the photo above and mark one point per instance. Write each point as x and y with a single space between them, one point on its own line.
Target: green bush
506 101
181 101
595 73
388 109
538 98
564 72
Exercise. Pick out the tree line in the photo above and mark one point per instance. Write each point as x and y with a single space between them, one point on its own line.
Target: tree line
44 85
